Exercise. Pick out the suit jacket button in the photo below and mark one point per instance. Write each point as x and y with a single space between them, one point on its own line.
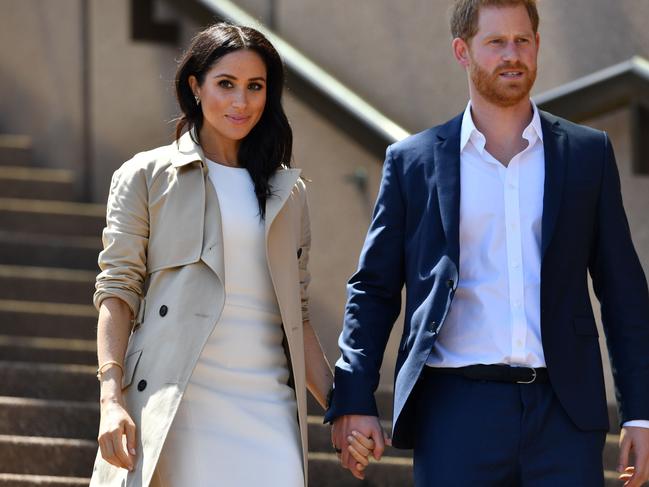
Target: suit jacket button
450 283
141 385
163 310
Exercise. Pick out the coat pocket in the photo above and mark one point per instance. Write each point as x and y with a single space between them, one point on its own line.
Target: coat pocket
585 326
130 363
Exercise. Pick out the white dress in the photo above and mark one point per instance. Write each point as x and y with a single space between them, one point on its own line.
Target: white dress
237 423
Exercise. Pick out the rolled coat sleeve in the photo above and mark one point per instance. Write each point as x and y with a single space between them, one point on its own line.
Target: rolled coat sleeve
305 247
125 238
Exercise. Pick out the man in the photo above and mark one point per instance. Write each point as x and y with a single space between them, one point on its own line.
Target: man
493 221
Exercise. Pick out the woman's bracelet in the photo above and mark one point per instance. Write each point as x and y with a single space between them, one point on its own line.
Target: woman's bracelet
100 370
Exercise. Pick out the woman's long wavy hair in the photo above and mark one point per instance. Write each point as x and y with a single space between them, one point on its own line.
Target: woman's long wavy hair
269 144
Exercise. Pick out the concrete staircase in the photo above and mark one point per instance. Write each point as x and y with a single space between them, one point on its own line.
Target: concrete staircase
48 392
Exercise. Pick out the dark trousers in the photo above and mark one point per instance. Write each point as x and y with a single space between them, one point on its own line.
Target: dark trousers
491 434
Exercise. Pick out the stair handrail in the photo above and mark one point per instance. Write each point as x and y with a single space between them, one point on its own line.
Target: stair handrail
598 92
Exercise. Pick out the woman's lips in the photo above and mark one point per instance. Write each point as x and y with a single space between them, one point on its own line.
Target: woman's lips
238 119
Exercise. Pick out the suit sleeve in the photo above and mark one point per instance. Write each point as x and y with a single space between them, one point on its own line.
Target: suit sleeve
374 302
621 287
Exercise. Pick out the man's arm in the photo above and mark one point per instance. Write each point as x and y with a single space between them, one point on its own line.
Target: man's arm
374 302
621 288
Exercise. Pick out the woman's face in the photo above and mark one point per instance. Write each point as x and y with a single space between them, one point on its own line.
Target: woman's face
232 96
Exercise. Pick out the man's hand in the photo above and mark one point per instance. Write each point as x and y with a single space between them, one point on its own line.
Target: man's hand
357 436
634 440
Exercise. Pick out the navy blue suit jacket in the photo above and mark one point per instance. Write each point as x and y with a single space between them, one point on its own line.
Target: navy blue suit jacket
413 240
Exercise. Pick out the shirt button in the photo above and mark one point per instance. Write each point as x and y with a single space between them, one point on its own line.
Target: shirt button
141 385
163 310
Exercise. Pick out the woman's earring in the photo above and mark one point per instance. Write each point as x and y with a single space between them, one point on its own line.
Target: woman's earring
197 99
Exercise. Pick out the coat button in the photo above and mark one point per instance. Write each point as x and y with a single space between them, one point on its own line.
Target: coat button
141 385
433 326
163 310
450 283
299 252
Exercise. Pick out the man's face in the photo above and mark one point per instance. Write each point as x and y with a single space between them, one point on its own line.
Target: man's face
502 55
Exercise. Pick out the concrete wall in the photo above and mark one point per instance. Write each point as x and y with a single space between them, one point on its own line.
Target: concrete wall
397 54
40 77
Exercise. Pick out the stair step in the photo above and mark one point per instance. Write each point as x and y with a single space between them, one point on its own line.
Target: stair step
49 350
52 217
46 456
50 418
15 150
325 471
25 480
37 183
46 284
56 320
71 252
48 381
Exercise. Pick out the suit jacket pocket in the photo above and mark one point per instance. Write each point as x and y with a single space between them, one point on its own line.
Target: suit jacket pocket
585 326
130 363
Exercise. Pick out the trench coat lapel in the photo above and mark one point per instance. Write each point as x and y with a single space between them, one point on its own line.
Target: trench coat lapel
212 253
188 152
281 185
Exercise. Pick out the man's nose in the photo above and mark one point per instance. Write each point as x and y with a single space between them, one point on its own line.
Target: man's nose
511 52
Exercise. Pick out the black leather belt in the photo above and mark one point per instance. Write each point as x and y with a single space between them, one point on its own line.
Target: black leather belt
495 373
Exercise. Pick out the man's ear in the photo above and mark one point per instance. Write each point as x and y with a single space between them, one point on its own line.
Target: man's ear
461 52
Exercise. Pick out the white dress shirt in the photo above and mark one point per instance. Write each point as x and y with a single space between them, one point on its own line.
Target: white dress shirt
495 317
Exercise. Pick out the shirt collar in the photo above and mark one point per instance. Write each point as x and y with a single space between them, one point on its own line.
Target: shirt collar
469 132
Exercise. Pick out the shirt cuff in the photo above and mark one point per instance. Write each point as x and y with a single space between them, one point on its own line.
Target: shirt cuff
638 423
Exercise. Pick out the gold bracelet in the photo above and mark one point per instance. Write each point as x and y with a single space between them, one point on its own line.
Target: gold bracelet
101 368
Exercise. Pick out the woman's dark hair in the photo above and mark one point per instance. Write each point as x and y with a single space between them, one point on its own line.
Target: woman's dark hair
270 142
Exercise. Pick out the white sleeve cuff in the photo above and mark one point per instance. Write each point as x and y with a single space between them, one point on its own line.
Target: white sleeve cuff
639 423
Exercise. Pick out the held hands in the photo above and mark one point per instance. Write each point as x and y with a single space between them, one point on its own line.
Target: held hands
357 437
117 441
634 440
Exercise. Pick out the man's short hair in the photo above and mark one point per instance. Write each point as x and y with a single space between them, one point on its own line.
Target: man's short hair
464 16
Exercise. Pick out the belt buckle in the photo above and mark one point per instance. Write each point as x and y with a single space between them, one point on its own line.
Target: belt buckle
528 381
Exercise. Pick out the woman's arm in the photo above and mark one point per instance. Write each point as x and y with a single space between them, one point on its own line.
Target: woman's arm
319 377
113 329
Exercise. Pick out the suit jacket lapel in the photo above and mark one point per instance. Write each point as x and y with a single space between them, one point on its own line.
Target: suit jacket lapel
447 169
281 185
555 145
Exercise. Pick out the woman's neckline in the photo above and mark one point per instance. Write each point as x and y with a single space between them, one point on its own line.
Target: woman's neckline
220 164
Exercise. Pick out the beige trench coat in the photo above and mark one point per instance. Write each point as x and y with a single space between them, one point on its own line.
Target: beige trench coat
163 255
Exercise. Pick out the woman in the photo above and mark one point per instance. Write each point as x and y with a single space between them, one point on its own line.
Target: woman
203 321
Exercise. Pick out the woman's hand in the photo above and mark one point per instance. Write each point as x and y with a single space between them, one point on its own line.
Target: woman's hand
360 447
117 441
